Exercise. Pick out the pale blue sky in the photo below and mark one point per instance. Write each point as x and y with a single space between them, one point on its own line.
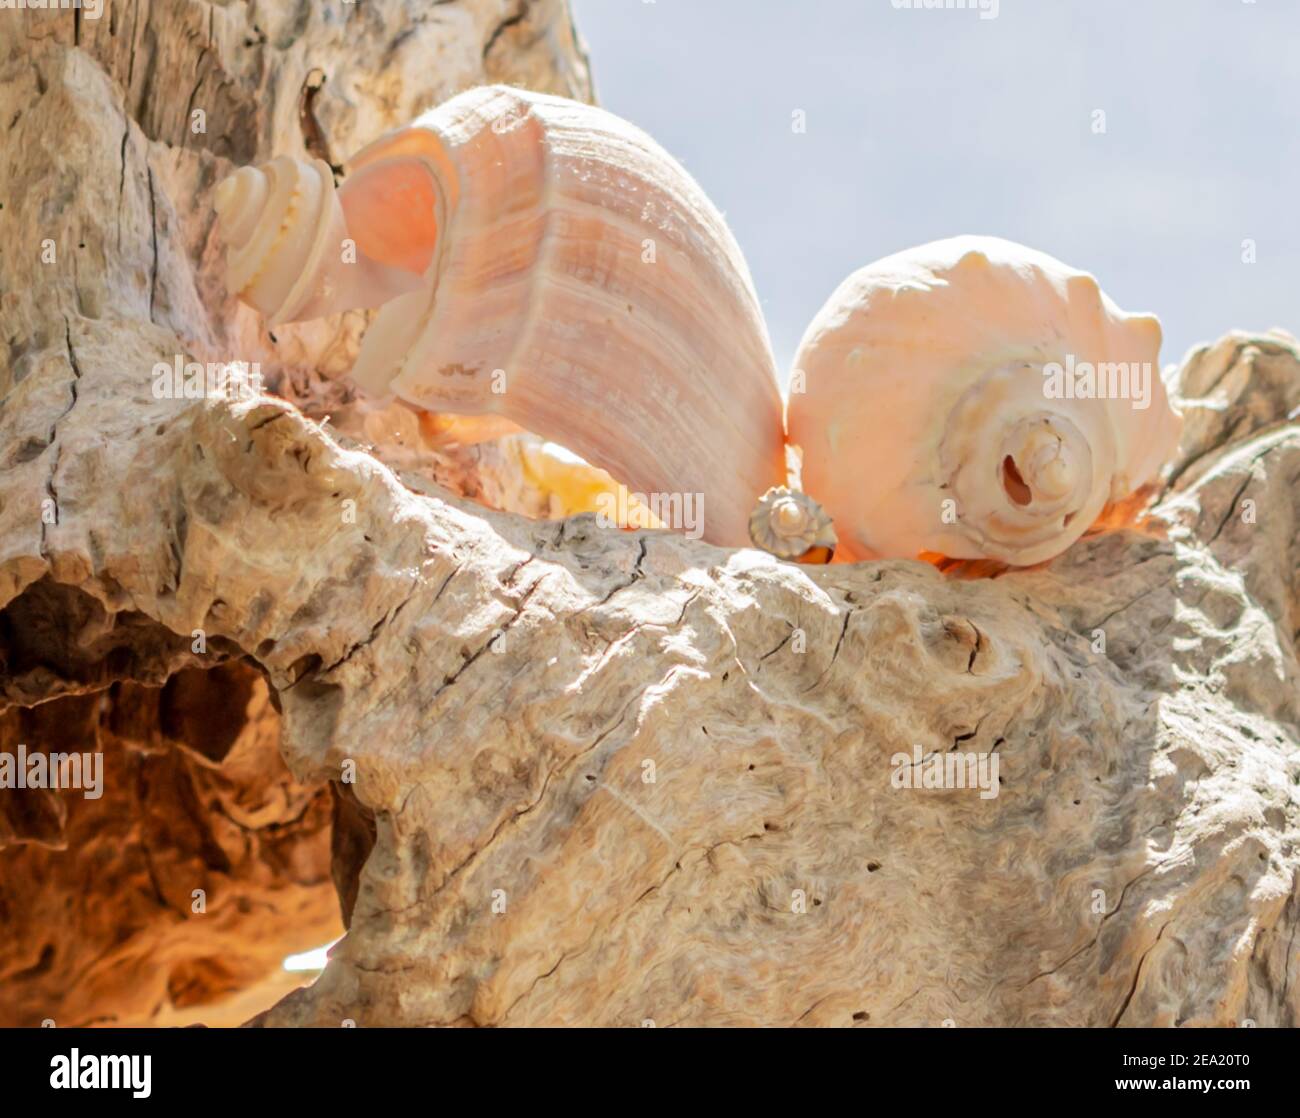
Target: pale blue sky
925 124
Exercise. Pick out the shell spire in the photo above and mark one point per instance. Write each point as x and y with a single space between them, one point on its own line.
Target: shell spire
288 248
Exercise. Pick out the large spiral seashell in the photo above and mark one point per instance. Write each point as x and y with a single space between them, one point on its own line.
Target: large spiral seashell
946 407
574 279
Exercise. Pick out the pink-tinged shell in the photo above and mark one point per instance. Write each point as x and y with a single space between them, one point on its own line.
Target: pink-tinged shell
576 281
924 420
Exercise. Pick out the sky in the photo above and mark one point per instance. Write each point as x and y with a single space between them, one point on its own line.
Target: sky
923 124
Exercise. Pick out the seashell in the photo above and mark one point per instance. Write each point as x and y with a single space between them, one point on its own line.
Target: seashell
946 407
572 279
790 525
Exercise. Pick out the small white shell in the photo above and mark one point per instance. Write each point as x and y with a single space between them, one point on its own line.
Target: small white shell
930 420
789 524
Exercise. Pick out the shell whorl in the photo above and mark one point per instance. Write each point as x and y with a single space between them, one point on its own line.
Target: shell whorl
1022 475
275 220
288 249
931 421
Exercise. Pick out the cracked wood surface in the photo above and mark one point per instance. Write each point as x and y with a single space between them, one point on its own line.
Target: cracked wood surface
502 688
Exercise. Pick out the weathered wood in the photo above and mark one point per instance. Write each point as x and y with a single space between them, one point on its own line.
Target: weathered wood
115 131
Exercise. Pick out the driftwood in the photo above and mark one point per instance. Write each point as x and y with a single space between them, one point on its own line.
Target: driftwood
574 775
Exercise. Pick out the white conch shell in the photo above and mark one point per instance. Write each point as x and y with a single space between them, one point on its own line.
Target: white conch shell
791 525
927 423
288 252
576 281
